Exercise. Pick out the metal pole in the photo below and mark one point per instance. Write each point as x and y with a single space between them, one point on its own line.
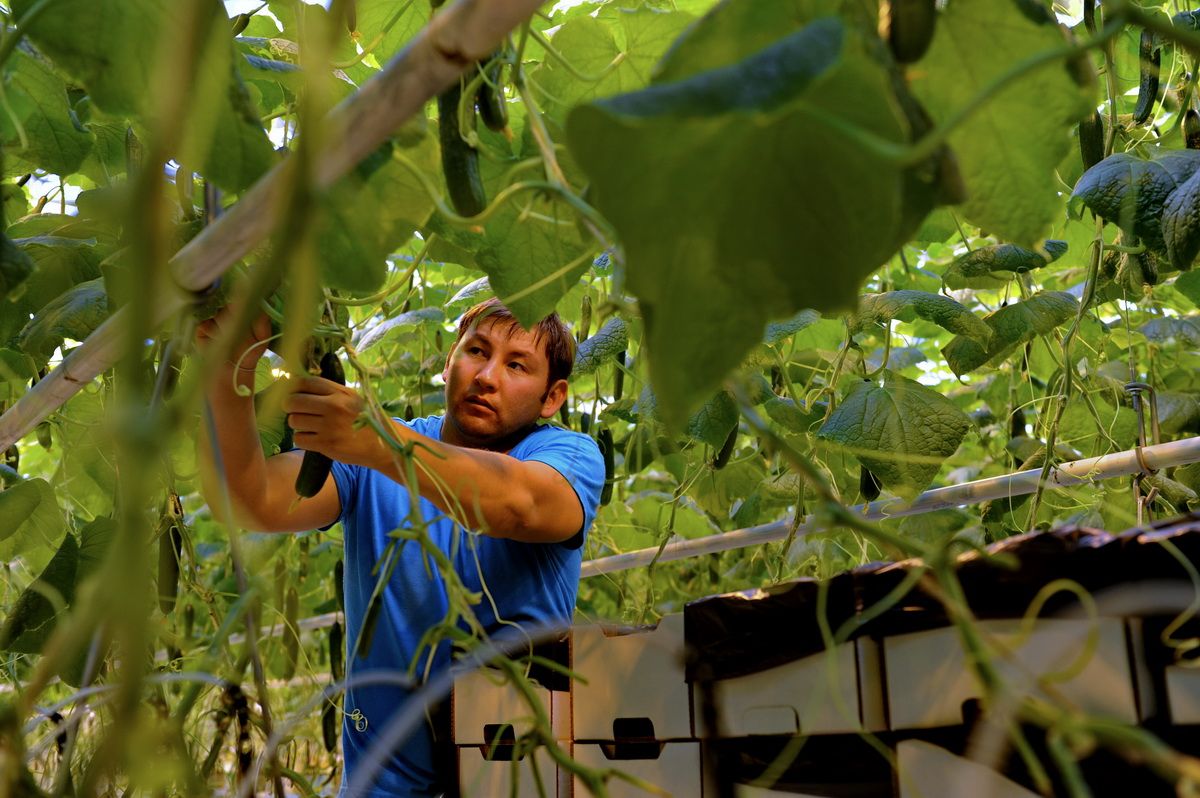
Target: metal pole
1092 469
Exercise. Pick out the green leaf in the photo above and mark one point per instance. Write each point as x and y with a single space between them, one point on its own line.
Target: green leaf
1008 149
908 305
778 330
1184 330
750 128
1181 223
787 414
1011 326
714 420
32 618
107 45
73 315
593 49
899 429
533 253
373 211
95 539
732 30
1178 412
406 21
15 268
1188 284
976 269
37 96
600 348
390 328
29 517
1130 192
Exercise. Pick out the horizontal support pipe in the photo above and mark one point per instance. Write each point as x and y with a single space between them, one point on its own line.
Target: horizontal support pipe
1021 483
456 38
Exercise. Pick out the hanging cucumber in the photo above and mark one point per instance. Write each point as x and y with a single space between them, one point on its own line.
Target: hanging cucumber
605 439
489 99
337 651
1150 57
619 376
314 470
460 161
723 456
330 721
911 24
1091 140
868 484
170 547
1191 129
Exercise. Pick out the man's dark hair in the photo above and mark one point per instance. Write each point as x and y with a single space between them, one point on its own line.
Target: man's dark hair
550 332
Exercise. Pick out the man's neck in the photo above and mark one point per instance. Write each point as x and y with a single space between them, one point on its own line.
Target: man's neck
451 434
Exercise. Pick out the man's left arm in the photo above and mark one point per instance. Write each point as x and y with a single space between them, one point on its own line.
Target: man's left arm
493 493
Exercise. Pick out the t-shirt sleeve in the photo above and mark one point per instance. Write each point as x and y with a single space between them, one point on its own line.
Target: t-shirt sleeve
578 459
345 477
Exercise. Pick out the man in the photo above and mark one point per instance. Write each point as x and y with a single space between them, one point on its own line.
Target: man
531 491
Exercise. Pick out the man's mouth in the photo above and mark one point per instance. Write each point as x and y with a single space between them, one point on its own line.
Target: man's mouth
475 400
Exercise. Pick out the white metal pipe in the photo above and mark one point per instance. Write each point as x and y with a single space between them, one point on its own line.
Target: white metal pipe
1021 483
460 35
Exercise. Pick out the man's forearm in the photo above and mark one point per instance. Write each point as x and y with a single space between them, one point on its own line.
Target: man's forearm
241 471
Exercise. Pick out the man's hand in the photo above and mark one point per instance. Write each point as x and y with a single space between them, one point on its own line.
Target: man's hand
249 347
323 416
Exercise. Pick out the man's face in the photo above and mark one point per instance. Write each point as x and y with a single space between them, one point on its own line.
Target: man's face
496 386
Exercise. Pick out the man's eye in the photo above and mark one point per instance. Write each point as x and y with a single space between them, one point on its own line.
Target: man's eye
474 350
516 366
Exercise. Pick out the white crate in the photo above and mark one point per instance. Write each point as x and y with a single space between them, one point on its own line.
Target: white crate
1183 694
480 778
483 698
798 697
928 679
634 675
927 771
677 770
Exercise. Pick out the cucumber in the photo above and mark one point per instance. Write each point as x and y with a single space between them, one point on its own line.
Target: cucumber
605 439
330 717
1091 140
489 99
314 470
1149 56
868 484
291 632
460 161
170 547
339 585
45 437
723 456
1191 129
911 24
619 376
337 652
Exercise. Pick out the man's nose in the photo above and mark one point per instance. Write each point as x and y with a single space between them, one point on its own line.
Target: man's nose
487 374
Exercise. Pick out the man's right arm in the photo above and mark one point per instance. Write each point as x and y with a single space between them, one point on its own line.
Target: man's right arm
259 490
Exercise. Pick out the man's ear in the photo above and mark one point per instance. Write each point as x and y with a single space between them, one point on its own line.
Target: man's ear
446 368
554 398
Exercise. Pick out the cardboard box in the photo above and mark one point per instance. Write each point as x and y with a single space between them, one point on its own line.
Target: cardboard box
633 684
676 769
929 681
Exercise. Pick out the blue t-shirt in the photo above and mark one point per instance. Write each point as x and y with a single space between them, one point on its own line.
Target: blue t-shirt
528 583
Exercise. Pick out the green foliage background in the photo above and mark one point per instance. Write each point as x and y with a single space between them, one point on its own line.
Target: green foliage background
743 208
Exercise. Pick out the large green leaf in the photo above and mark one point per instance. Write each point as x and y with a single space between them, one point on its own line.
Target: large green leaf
1008 149
710 268
1184 330
54 140
732 29
899 429
1011 326
610 339
908 305
107 45
73 315
593 49
29 517
977 268
15 268
32 618
715 419
372 211
1130 192
1188 284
